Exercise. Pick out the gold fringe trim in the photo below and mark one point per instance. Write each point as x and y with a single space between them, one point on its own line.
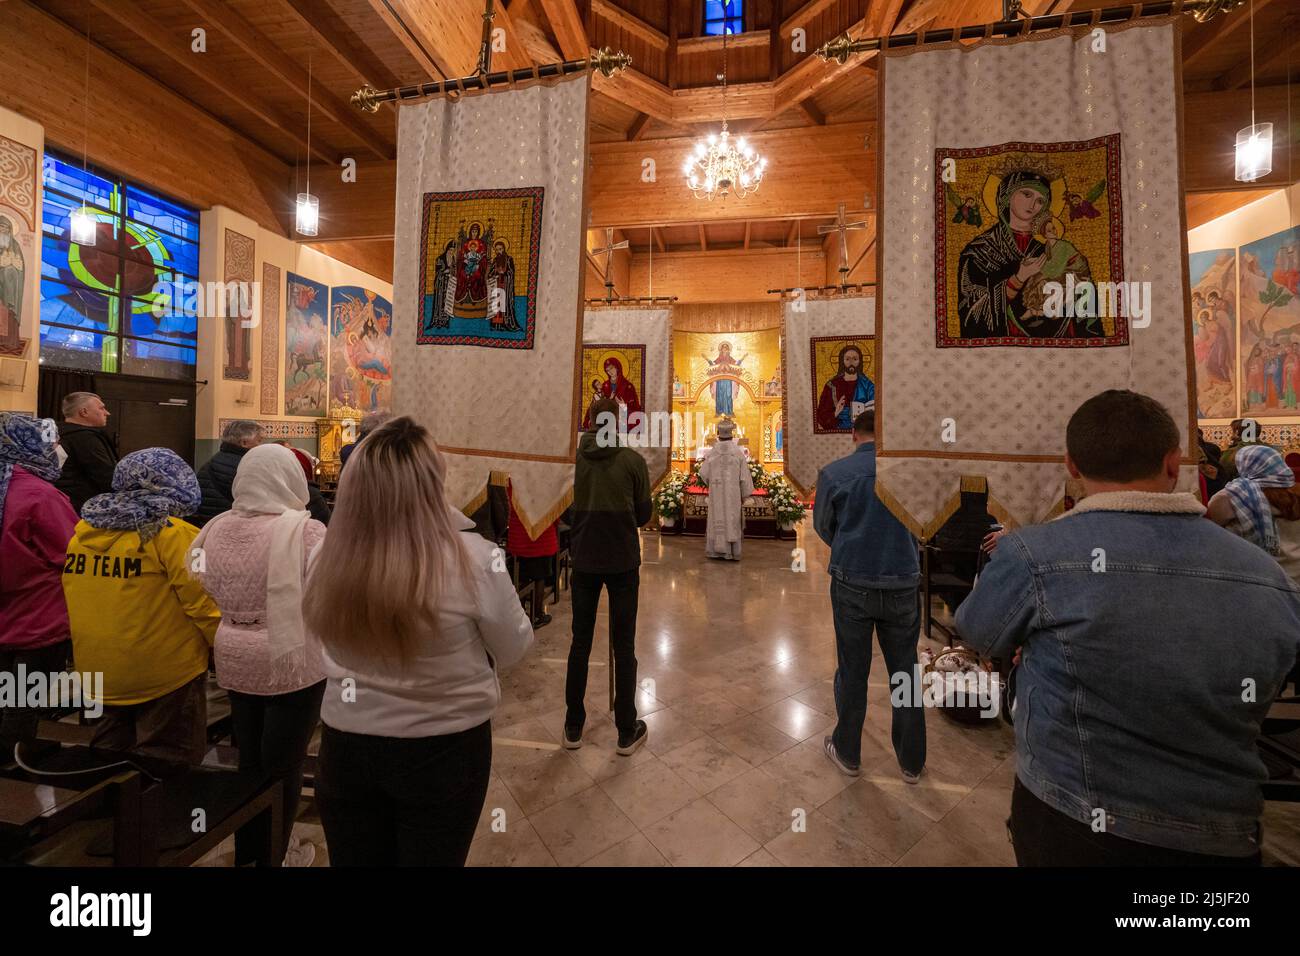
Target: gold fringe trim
977 484
532 528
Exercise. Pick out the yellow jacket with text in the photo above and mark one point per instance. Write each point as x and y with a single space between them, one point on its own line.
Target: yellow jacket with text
136 614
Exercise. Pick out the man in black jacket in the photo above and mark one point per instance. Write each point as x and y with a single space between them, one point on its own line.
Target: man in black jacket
218 475
91 455
611 501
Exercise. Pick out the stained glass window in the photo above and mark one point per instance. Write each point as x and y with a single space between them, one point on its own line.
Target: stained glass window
115 306
720 14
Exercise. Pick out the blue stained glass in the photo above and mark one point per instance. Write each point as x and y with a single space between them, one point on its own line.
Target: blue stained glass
71 304
162 214
719 12
93 189
170 324
145 244
72 348
153 358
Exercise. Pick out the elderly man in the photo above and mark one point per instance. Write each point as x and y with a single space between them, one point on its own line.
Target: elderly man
218 475
726 471
88 470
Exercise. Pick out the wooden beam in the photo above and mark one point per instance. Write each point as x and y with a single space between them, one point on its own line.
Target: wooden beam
800 17
1203 37
671 59
179 53
704 239
330 32
566 23
637 129
794 234
774 47
748 224
1271 52
516 55
812 112
729 275
680 107
658 237
279 64
810 75
632 24
443 37
735 41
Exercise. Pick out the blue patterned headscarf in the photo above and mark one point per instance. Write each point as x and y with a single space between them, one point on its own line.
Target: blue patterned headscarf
149 486
29 442
1259 467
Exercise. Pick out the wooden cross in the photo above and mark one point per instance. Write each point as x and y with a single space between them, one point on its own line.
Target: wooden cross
608 250
842 228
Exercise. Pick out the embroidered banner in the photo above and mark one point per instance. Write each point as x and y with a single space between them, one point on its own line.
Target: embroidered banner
304 346
627 356
361 352
829 371
1031 253
487 285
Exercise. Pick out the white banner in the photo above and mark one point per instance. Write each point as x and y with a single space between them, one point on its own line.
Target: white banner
829 370
1032 253
627 355
487 286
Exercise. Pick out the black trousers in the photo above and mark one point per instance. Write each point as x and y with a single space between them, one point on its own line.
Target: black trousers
1044 836
272 733
18 724
394 801
623 590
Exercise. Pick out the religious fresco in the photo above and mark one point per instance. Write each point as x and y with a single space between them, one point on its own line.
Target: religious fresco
479 256
304 346
361 352
1213 278
843 380
1017 228
727 375
613 371
1270 325
17 239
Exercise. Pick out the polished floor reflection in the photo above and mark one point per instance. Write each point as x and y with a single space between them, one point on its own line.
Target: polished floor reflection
736 661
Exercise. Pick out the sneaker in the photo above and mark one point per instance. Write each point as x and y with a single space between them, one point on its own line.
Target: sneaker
828 744
541 621
628 743
301 854
912 778
572 736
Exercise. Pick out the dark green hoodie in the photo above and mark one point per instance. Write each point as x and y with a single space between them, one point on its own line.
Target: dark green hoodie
611 500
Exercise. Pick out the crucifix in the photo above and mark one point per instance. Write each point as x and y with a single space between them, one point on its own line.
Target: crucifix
608 250
842 228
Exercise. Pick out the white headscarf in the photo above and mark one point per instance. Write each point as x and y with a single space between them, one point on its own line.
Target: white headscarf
270 481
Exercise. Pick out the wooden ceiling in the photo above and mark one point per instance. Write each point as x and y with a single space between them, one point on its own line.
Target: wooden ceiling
264 59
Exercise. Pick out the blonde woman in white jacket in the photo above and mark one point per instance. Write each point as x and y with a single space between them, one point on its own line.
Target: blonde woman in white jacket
414 621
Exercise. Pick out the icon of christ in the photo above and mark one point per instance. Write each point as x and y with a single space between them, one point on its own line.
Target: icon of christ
845 396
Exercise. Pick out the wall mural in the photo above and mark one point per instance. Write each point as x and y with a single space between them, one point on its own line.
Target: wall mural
361 352
1213 278
17 240
305 346
1270 325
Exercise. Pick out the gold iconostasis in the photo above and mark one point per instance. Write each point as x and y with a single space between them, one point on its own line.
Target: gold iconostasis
728 375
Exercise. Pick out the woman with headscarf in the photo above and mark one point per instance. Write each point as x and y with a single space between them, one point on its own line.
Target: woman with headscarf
36 521
255 556
1262 505
137 615
317 506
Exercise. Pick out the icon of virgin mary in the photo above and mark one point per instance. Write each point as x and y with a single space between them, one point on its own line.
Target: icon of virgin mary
998 265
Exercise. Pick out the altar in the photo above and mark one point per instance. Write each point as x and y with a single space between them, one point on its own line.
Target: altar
759 518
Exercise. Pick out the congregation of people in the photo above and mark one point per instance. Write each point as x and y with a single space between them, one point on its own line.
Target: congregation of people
390 634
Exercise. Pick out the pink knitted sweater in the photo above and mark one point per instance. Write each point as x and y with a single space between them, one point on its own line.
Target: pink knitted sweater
235 558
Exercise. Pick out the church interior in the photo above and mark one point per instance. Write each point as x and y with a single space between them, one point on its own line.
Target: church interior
763 242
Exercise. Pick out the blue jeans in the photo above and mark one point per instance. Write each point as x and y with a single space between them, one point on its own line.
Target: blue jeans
895 616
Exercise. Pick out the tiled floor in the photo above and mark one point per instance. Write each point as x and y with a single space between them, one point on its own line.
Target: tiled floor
736 661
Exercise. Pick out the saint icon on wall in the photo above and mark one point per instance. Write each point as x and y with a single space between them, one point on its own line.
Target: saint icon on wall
724 389
617 372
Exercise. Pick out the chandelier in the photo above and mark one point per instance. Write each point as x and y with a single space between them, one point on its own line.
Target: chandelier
718 166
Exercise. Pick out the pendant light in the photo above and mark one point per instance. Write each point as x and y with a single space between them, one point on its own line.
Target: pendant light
1254 142
82 224
307 209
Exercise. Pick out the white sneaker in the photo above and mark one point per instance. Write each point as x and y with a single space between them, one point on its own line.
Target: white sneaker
301 854
912 778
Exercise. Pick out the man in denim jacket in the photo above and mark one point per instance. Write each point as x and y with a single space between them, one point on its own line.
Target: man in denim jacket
1152 643
874 577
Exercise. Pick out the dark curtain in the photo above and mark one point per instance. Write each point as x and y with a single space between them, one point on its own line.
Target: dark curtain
54 383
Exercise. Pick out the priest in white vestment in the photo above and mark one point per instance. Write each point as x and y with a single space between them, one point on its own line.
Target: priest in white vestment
726 471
